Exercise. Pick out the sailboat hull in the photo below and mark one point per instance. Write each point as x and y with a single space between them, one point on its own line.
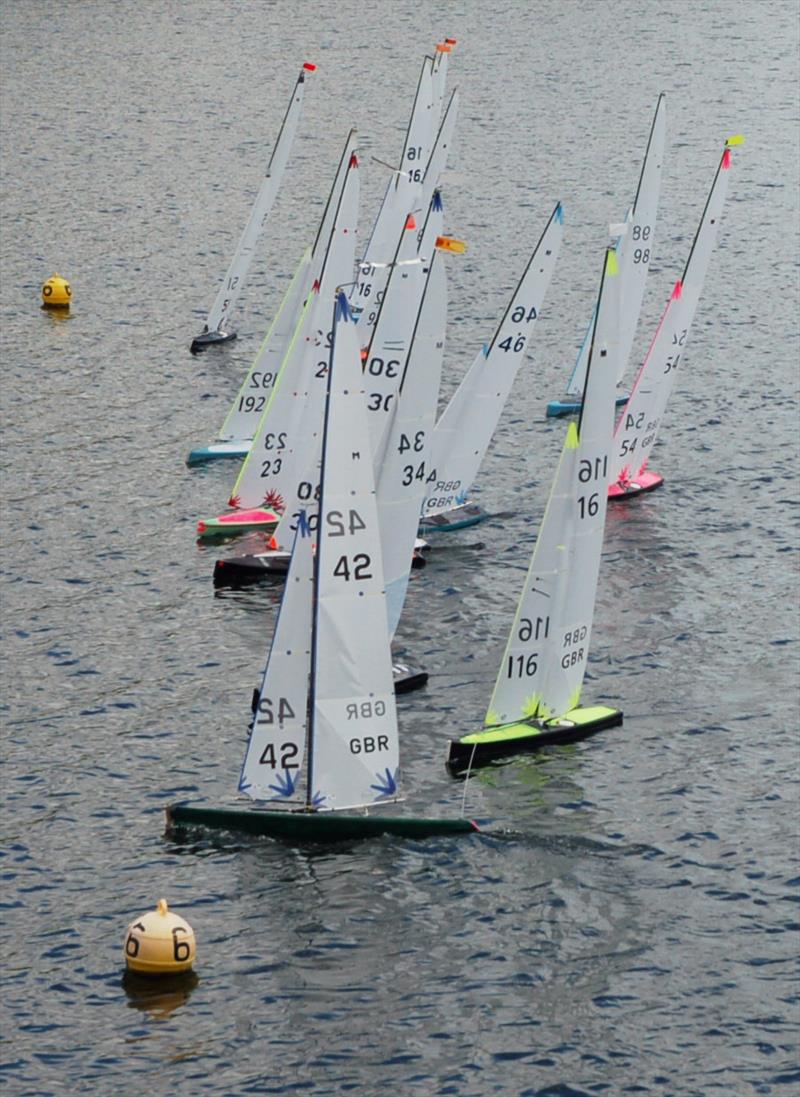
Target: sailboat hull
216 451
483 747
312 826
570 405
240 571
468 514
237 521
644 482
211 339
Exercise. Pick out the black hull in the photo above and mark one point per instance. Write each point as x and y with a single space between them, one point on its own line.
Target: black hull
210 339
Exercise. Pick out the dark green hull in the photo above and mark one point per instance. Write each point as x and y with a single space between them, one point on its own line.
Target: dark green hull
483 747
312 826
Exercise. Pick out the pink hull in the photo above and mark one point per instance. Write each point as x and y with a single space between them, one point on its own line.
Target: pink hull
239 519
645 481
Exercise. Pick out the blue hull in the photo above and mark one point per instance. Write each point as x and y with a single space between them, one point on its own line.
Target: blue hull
217 451
571 405
469 514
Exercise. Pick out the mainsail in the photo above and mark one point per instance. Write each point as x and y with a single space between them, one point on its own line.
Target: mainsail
245 250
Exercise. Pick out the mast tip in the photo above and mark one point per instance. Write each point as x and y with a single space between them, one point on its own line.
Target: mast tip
309 67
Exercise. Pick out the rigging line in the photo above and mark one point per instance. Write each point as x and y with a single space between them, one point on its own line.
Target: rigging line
466 780
385 164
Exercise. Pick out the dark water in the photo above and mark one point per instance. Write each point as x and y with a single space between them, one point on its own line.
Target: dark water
634 926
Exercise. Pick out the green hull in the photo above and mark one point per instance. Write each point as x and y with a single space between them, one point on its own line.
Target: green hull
312 826
482 747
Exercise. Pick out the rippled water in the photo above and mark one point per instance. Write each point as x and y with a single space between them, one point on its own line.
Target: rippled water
630 926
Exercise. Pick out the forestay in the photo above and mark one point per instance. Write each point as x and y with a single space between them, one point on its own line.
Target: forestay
275 759
543 667
243 256
637 426
634 250
354 750
465 429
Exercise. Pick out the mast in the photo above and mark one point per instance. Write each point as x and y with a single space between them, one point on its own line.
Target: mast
312 691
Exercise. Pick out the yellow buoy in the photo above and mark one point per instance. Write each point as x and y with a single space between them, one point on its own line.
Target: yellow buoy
159 943
56 293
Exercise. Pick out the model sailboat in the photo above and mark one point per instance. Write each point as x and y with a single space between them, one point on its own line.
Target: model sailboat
634 250
216 323
638 424
465 429
324 744
538 688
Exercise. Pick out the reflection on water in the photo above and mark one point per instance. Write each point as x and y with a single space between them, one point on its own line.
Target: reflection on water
159 997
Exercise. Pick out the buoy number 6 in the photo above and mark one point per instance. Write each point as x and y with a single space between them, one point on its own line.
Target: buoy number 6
181 950
132 946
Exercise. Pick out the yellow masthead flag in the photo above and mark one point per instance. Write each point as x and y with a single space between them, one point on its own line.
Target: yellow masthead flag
449 243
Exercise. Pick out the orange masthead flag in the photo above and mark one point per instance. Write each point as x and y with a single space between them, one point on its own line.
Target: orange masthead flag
449 243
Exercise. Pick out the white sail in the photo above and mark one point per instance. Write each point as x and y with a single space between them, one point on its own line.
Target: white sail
393 331
634 250
274 762
439 67
405 467
245 250
251 399
387 359
354 750
438 158
465 429
636 428
533 638
403 194
271 474
545 660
